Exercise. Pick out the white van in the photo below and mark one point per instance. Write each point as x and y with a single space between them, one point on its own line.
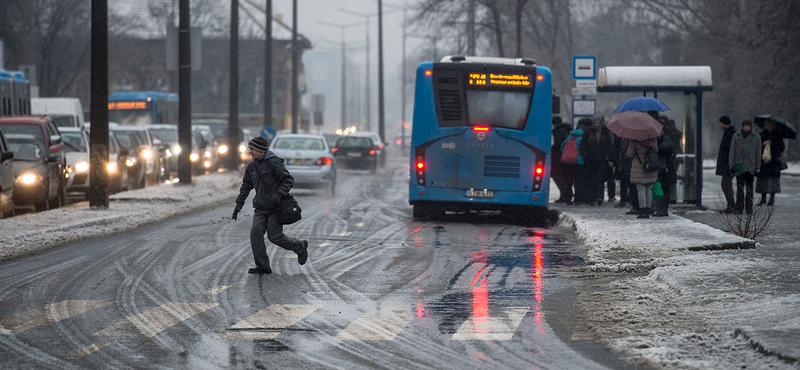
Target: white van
65 112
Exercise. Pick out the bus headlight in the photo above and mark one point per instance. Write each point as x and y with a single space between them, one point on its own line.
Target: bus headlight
222 149
111 167
194 157
28 179
82 167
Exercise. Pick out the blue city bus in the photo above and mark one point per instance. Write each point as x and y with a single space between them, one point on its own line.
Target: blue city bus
139 108
15 93
481 136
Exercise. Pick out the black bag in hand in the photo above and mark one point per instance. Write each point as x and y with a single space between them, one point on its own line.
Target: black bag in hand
289 211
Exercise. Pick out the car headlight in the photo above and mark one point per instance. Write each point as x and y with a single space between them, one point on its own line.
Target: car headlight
194 157
168 153
176 149
222 149
112 167
242 148
29 178
147 154
207 164
207 154
82 167
130 162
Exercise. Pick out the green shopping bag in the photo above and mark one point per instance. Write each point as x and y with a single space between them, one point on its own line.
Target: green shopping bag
657 191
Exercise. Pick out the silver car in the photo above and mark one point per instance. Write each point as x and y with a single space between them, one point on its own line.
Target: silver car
308 158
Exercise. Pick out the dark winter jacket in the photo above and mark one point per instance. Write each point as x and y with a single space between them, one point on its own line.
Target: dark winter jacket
773 167
560 133
267 175
723 167
596 146
666 152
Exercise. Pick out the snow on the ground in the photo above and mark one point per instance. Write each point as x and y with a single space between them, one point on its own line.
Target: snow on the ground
674 302
793 170
36 232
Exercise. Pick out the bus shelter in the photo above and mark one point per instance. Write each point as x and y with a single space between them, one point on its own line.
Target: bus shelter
681 88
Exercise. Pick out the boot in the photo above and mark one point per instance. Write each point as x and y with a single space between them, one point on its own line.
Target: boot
645 213
763 199
632 211
771 199
621 204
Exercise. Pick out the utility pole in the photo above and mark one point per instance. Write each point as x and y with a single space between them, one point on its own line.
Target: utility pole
471 29
342 27
295 69
381 128
184 94
268 68
98 140
403 93
233 103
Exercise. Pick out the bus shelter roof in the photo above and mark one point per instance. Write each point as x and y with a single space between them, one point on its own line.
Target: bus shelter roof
661 78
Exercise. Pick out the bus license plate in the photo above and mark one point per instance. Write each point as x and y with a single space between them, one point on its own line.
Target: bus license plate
354 154
477 193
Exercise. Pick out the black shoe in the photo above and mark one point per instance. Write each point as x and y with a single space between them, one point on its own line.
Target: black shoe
771 202
645 213
621 205
302 257
256 270
632 211
662 213
599 202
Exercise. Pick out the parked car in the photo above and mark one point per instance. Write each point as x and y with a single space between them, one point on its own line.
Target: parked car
36 172
356 152
308 158
42 128
6 179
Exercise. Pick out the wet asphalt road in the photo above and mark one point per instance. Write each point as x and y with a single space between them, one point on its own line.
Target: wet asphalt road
379 291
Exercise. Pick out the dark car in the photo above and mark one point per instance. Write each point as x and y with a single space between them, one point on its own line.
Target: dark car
356 152
6 179
36 174
131 142
43 129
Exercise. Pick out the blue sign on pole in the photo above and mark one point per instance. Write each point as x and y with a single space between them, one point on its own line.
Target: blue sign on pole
268 133
584 67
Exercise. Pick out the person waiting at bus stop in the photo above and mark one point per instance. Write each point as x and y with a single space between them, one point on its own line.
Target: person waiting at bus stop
561 131
596 152
723 168
643 179
745 162
272 182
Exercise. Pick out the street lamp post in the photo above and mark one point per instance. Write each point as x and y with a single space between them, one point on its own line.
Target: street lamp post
342 27
295 69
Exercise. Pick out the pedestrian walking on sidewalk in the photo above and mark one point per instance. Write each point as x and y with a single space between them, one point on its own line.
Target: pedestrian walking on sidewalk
643 179
561 131
272 182
745 162
723 166
769 180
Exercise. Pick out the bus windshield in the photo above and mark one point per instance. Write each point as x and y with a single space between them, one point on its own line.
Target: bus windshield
498 108
131 117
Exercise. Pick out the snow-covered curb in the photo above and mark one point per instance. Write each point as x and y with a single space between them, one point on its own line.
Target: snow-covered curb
37 232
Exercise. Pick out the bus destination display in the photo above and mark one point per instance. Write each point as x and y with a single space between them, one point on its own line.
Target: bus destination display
500 80
127 105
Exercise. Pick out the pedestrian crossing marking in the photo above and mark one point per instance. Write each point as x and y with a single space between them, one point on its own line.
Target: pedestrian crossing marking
276 316
377 326
86 351
155 320
359 224
325 244
492 328
249 335
47 314
219 289
347 233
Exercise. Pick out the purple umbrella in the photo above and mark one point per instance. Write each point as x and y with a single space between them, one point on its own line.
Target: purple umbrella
634 125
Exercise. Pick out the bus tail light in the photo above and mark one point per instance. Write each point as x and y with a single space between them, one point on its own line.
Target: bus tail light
538 175
419 165
481 128
323 161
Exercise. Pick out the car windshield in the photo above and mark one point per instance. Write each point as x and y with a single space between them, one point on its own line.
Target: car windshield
167 136
25 150
63 120
298 143
75 141
126 139
498 109
354 142
22 128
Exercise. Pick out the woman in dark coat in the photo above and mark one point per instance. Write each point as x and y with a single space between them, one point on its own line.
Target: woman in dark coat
769 179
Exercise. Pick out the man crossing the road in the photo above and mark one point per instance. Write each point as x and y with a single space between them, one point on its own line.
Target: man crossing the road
272 182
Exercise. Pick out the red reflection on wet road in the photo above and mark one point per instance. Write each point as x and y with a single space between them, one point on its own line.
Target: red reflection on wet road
538 267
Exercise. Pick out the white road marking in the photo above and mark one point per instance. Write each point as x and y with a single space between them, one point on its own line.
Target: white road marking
492 328
325 244
276 316
359 224
86 351
249 335
347 233
377 326
155 320
219 289
48 314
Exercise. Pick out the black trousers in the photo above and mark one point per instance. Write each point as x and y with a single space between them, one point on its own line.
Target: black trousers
268 223
744 201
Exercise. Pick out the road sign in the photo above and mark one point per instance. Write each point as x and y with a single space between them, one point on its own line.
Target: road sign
584 91
583 107
584 83
268 133
584 67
